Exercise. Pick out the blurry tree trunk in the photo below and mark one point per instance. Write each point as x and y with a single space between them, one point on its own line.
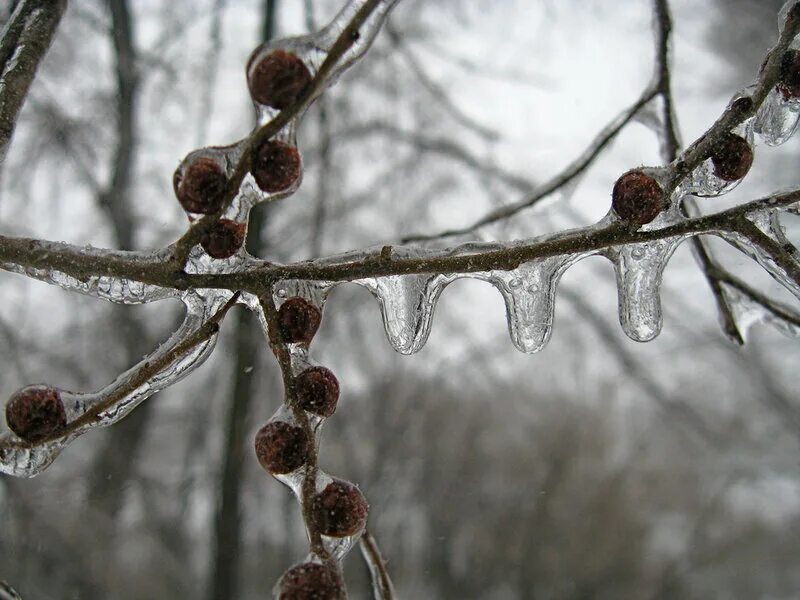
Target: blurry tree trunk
24 40
249 341
117 457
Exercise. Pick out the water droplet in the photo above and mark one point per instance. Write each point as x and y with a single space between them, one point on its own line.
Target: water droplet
777 118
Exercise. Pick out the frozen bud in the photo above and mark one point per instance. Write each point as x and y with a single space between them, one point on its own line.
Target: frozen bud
298 320
637 198
276 166
732 157
340 510
281 447
201 187
789 80
311 581
224 239
36 412
277 79
317 391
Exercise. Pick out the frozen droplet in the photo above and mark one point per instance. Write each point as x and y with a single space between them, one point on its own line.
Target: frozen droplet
777 117
639 268
747 312
282 293
338 547
19 460
530 309
515 283
406 303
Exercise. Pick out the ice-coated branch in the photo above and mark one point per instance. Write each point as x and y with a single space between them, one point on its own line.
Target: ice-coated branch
382 587
23 43
48 260
345 43
187 349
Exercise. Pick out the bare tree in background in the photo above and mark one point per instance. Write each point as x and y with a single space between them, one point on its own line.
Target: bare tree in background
566 459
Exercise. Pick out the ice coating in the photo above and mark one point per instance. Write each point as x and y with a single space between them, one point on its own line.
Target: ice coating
314 292
749 313
639 269
314 48
778 271
116 400
113 289
406 303
529 292
704 182
777 117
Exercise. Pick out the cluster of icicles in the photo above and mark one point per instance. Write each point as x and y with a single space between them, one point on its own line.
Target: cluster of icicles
406 302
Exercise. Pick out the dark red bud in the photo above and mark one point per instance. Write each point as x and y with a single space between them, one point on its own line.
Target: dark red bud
278 79
339 510
732 157
298 320
224 239
276 166
201 188
311 581
637 198
281 447
317 391
35 413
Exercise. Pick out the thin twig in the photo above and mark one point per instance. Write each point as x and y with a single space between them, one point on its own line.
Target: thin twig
382 587
309 488
348 36
142 375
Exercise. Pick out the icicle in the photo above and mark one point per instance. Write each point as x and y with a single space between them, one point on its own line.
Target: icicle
529 292
639 268
407 303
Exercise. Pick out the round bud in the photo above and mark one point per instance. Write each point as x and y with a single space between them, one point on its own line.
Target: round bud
224 239
311 581
36 412
278 79
298 320
732 157
281 447
276 166
201 187
637 198
789 79
317 391
339 510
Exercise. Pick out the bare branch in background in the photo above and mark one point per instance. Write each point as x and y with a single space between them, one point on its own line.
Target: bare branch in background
23 42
